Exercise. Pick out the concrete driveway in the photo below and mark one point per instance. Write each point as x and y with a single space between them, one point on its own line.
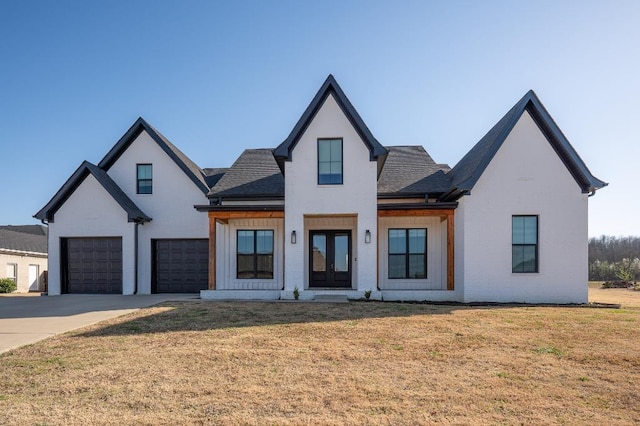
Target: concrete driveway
25 319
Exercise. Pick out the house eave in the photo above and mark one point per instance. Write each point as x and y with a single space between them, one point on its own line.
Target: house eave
236 208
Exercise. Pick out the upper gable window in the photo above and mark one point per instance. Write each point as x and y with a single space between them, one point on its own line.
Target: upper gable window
329 161
145 179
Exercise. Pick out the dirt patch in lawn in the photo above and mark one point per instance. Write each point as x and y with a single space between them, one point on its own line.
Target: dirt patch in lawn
628 298
356 363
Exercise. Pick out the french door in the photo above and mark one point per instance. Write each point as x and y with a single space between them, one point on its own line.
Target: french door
330 259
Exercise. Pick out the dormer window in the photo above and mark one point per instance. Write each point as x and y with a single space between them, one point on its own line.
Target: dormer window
145 179
329 161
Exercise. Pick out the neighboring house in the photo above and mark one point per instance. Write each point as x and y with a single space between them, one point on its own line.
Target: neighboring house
331 211
23 256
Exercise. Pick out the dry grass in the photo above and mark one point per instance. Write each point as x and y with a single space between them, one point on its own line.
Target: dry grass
357 363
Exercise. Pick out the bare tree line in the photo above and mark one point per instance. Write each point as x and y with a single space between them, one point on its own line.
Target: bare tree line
614 258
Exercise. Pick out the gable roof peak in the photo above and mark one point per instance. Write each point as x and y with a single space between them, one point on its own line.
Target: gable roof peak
330 87
134 214
193 172
466 173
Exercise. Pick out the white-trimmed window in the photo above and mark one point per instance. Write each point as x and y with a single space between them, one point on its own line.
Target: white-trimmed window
12 272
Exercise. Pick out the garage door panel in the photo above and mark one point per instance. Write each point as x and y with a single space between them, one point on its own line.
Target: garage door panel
93 265
180 266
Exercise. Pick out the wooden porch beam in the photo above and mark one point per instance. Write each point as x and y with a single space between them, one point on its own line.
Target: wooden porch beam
450 252
212 253
269 214
415 212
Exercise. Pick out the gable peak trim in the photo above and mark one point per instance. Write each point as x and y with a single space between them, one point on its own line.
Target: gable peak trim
193 172
330 87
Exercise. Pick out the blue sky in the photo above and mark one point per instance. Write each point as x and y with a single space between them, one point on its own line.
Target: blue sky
218 77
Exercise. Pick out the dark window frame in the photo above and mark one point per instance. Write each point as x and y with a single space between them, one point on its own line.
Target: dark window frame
407 254
139 180
255 255
330 162
536 245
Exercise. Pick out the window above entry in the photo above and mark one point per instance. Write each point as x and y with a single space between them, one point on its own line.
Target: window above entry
144 179
329 161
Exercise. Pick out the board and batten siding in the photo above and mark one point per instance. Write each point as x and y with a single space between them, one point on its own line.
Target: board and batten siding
436 253
525 177
357 196
170 205
226 259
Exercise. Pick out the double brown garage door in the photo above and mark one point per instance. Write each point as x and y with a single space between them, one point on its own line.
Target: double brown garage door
94 265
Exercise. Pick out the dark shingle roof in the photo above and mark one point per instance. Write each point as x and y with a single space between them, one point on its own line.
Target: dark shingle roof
27 229
134 214
14 240
330 86
468 170
213 175
411 170
186 165
254 173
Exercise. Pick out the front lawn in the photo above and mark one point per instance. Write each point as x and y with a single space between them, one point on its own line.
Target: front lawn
356 363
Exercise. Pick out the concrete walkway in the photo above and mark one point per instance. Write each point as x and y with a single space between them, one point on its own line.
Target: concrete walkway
25 319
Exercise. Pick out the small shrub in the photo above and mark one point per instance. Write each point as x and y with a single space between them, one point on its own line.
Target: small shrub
296 293
367 294
7 285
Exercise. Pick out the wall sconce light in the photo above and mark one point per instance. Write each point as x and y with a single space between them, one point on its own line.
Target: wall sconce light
367 236
293 237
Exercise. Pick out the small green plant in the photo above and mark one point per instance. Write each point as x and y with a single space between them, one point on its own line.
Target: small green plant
296 293
367 294
7 285
548 350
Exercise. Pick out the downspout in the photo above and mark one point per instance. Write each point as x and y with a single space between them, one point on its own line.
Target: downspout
135 257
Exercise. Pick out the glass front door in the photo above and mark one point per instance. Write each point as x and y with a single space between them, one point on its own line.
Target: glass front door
330 259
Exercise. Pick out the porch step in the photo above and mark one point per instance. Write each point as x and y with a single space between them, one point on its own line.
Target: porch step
331 298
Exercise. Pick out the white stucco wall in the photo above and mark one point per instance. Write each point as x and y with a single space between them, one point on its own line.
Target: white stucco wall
22 261
355 197
170 205
91 212
526 177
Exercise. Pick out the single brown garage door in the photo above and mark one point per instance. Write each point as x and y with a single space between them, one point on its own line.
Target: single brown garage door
92 265
180 266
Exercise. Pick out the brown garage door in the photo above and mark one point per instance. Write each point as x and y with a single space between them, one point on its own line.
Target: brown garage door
92 265
180 266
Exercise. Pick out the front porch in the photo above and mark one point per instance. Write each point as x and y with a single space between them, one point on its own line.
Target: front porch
332 254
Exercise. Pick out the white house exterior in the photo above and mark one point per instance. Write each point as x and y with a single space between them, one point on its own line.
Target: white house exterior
23 256
332 211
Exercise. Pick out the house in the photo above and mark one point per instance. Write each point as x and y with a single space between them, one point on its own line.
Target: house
23 256
331 211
